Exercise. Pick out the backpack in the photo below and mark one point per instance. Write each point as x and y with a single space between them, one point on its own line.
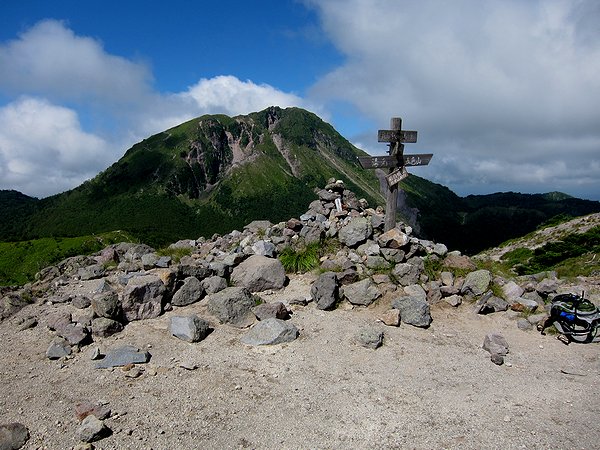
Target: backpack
575 317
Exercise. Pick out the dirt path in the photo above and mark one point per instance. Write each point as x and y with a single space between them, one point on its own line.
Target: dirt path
424 389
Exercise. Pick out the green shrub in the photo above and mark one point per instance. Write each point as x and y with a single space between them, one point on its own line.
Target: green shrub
175 253
301 259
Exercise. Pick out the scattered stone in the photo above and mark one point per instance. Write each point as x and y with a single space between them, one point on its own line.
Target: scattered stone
413 311
453 300
190 292
214 284
447 278
233 306
497 359
523 304
27 323
84 409
95 354
122 356
495 343
324 291
275 310
143 297
370 338
103 327
58 348
81 301
391 317
92 429
259 273
74 334
363 292
13 436
477 282
189 328
107 305
270 331
524 324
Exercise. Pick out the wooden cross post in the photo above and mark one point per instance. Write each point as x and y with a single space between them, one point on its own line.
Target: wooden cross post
397 162
397 151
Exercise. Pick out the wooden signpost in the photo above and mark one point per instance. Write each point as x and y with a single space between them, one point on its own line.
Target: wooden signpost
396 162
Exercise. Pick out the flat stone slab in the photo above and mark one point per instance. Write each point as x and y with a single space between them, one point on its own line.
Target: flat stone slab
270 331
122 356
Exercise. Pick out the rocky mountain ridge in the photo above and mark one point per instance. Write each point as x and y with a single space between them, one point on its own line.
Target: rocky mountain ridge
235 279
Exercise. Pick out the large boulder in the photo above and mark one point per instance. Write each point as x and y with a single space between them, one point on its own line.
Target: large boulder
324 291
189 328
259 273
269 332
363 292
477 282
233 305
143 297
406 273
393 238
357 231
107 304
190 292
413 311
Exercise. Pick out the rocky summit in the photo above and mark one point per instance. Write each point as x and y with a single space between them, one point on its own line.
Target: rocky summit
132 313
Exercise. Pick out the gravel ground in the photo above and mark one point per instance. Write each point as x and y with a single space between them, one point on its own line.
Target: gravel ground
423 389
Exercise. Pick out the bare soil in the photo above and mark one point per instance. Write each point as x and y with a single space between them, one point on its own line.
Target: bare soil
423 389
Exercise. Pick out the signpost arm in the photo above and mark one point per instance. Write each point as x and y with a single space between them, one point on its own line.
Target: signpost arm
397 149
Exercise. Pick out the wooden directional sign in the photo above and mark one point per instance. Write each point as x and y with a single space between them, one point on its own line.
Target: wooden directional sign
396 176
397 136
376 162
417 160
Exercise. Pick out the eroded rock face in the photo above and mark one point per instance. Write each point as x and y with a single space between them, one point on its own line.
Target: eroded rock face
259 273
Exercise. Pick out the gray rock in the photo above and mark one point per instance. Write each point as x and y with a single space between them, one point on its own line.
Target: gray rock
413 311
327 195
276 310
269 332
92 429
189 328
447 278
534 296
512 290
357 231
84 409
497 359
311 234
524 324
447 291
74 334
200 270
264 248
534 319
415 290
214 284
434 292
103 327
440 249
363 292
81 301
190 292
391 317
477 282
257 226
348 276
107 305
376 262
13 436
143 297
233 305
149 260
495 343
526 304
259 273
122 356
91 272
58 348
547 286
393 238
393 255
370 338
324 290
453 300
406 273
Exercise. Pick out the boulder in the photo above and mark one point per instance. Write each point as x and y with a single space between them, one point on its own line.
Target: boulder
477 282
107 305
393 238
406 273
264 248
190 292
143 297
233 306
189 328
74 334
92 429
269 332
391 317
457 261
58 348
453 300
324 291
214 284
413 311
512 290
497 346
357 231
103 327
363 292
13 436
275 310
259 273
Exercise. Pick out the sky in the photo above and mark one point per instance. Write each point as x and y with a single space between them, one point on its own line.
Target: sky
504 93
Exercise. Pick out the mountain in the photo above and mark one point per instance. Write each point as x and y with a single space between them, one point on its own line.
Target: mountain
217 173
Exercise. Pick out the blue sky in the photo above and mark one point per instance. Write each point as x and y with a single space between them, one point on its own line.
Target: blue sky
504 93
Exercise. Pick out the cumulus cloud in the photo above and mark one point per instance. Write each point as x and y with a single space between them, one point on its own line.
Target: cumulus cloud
43 148
504 93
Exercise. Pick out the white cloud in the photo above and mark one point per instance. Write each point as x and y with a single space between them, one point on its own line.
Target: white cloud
43 149
513 84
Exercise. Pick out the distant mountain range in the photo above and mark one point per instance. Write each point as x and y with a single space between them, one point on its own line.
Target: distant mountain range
216 173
